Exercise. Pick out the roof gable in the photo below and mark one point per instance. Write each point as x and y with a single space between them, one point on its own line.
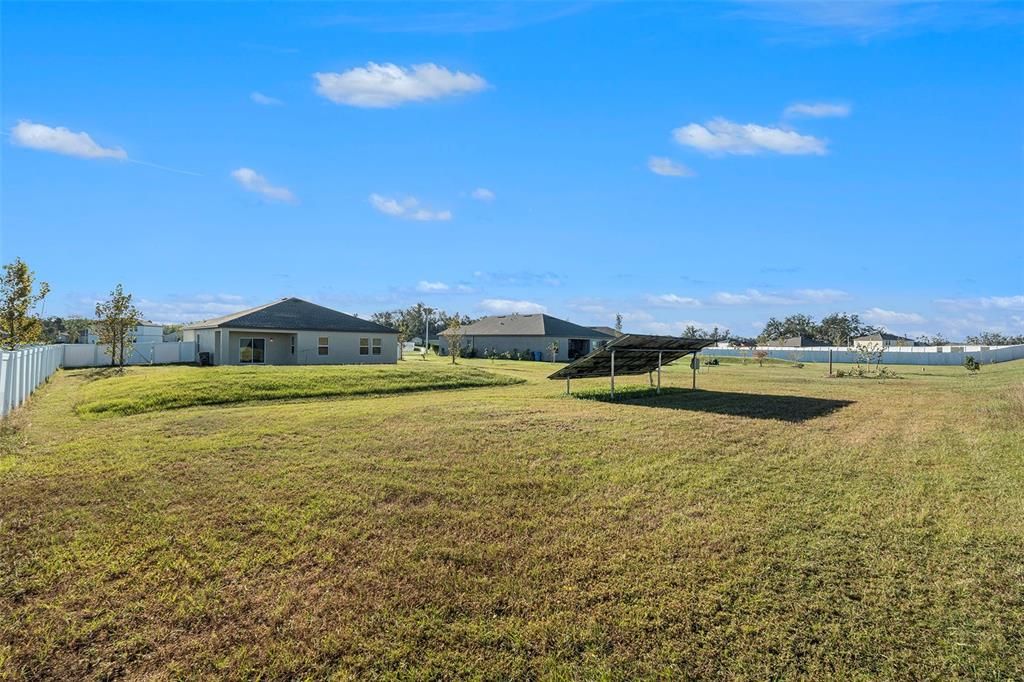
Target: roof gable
293 313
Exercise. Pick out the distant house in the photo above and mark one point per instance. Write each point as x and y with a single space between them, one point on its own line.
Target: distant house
145 332
800 341
534 333
610 331
884 339
292 332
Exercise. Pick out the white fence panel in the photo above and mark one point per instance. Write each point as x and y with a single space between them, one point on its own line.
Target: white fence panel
146 353
24 370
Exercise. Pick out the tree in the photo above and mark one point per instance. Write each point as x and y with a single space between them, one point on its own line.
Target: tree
994 339
760 354
839 328
117 319
411 322
454 336
972 365
74 326
553 349
936 340
18 298
618 322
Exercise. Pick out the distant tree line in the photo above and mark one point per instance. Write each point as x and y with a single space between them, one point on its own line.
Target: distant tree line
837 328
411 322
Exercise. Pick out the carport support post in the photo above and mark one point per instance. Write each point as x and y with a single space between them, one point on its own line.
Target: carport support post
693 366
659 371
567 391
613 375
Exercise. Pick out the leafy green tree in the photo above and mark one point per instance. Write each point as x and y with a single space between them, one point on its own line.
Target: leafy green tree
117 319
454 335
994 339
618 322
18 298
840 328
972 365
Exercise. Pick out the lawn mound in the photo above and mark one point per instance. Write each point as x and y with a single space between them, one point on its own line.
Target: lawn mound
151 389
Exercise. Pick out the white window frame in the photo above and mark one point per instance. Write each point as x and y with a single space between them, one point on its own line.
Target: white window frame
364 345
252 339
376 346
326 346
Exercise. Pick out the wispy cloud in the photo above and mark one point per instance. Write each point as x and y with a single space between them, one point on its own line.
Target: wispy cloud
265 100
252 181
483 194
505 306
408 208
821 295
752 297
882 316
177 308
721 136
985 302
817 110
521 278
660 165
389 85
60 140
673 301
428 287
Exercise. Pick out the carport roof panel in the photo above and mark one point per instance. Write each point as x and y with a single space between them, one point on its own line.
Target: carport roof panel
634 354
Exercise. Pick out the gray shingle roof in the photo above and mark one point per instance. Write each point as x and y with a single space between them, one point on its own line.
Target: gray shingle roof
529 325
293 313
882 336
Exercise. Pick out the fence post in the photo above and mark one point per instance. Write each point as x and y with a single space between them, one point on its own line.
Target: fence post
5 382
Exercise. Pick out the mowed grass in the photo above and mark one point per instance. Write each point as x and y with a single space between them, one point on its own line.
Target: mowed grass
775 524
162 388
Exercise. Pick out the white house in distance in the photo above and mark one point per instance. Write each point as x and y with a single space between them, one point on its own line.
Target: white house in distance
884 339
145 332
534 333
292 332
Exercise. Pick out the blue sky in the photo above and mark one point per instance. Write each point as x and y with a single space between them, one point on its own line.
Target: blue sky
713 163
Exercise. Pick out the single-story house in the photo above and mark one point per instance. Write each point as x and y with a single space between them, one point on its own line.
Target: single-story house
534 333
610 331
292 332
800 341
145 332
884 339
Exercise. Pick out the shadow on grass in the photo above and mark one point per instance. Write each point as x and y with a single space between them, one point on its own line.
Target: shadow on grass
790 408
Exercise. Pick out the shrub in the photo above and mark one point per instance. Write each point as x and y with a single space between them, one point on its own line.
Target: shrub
972 365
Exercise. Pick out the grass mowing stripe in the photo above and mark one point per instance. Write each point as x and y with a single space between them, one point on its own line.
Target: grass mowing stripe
164 388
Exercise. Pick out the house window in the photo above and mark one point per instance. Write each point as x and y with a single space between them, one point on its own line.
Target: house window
293 345
376 346
364 346
322 347
251 351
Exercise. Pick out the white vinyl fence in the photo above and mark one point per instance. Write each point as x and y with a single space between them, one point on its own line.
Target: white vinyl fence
23 371
153 353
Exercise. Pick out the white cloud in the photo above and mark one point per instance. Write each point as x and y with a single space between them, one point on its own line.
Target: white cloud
254 182
822 295
177 309
265 100
389 85
751 297
432 287
882 316
817 110
60 140
504 306
987 302
673 300
661 165
483 194
721 136
408 208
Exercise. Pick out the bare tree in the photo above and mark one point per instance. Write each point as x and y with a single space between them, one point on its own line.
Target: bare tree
117 319
760 354
553 349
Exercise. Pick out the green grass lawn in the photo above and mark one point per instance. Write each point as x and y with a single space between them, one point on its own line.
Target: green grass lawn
159 388
774 524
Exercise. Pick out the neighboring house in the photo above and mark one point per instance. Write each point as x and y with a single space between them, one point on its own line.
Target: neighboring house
610 331
535 333
145 332
800 342
884 338
293 332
